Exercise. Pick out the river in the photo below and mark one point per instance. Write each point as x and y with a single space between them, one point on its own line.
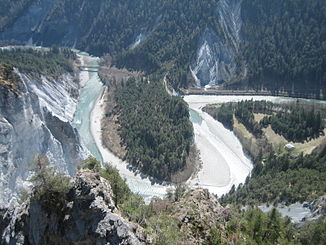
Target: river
295 211
91 88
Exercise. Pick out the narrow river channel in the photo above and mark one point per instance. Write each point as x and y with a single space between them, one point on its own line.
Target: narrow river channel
89 93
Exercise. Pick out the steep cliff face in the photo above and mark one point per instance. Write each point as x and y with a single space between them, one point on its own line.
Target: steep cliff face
36 121
88 217
216 58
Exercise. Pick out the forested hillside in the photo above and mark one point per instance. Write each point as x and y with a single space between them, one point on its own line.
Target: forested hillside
294 122
10 10
155 128
280 179
284 44
173 44
170 31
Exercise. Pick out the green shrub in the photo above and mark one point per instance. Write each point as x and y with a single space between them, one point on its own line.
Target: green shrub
120 189
50 187
91 163
135 209
164 230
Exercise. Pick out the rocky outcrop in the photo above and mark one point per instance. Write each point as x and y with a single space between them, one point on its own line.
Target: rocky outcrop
317 208
198 212
35 120
89 216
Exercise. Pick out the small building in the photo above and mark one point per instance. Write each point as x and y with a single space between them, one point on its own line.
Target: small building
289 147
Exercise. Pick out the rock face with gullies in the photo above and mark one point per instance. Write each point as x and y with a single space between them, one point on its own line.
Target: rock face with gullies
89 216
216 61
35 119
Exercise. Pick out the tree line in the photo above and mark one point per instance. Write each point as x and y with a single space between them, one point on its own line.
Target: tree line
294 122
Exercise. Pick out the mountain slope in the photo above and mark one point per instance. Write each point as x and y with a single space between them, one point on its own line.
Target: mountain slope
243 44
10 10
284 45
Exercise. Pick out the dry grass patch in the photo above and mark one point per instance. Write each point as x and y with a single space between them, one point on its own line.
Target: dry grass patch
306 148
259 116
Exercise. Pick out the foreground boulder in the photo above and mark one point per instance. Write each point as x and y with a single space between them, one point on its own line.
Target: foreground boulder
89 216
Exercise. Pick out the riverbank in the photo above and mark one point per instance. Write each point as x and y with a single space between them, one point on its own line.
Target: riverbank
110 125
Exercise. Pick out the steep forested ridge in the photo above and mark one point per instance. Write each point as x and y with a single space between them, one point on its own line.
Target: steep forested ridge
171 31
173 44
105 26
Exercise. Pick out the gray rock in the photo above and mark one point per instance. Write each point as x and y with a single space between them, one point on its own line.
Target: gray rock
36 121
88 217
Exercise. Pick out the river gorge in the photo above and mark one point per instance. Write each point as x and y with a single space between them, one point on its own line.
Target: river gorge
224 162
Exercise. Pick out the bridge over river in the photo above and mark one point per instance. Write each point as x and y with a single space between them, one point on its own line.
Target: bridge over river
90 68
